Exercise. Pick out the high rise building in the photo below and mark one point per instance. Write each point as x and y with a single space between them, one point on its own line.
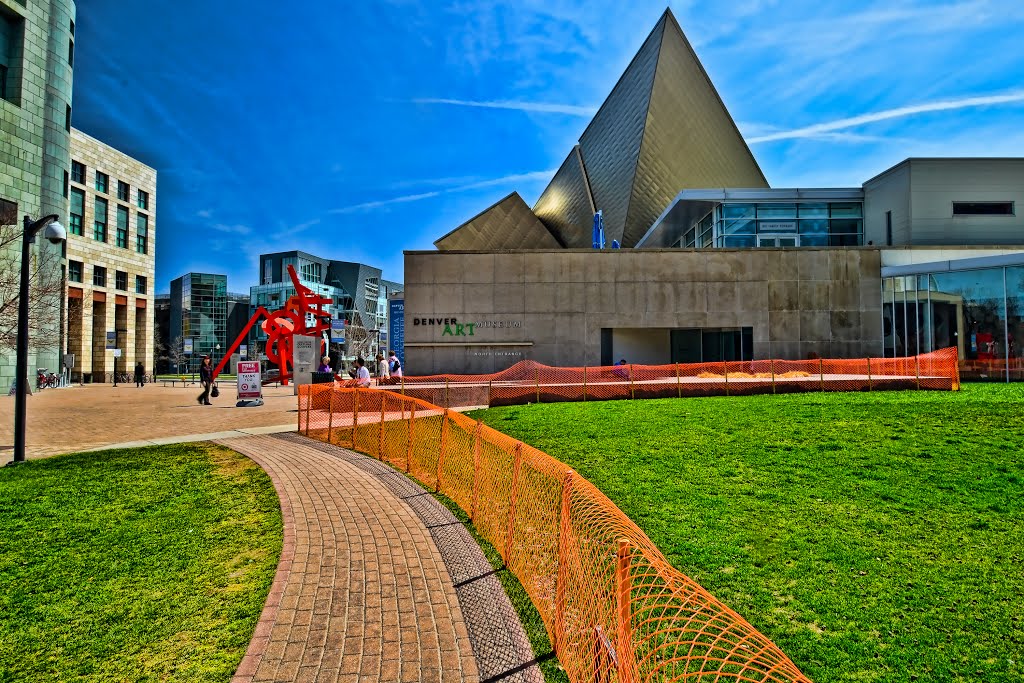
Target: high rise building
37 43
199 316
111 259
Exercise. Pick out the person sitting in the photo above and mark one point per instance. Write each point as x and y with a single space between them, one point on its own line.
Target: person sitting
362 374
325 365
620 369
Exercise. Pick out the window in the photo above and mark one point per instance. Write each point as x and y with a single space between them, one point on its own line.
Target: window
99 226
99 276
122 226
78 172
121 280
67 118
140 284
8 212
75 271
77 211
141 229
66 179
102 181
71 53
143 200
123 191
888 228
983 208
12 38
72 28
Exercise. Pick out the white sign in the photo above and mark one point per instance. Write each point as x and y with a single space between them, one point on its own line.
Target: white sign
304 358
243 349
776 226
117 353
249 384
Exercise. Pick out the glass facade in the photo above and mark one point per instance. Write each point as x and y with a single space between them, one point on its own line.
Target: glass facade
778 224
980 312
204 311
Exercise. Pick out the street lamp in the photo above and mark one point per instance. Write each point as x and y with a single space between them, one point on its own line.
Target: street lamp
56 234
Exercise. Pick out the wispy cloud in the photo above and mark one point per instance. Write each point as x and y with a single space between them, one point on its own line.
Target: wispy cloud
541 107
820 129
504 180
236 229
204 213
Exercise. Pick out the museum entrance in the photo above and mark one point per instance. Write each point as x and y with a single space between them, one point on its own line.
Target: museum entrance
659 346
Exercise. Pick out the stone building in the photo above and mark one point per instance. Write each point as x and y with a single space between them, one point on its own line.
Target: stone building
37 43
111 260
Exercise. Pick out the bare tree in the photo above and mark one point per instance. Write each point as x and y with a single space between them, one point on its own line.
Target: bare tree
46 289
358 339
176 353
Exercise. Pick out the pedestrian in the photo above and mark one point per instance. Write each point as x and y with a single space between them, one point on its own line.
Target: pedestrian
394 365
620 368
383 373
362 374
325 364
206 379
140 375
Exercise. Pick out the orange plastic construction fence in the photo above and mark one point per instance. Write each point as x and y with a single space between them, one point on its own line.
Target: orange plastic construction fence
613 606
531 382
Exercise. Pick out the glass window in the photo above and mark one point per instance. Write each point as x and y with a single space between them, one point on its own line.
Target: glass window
99 276
844 233
78 172
67 177
67 118
141 233
814 240
122 227
102 181
12 34
143 200
968 313
845 209
121 280
737 227
813 210
1015 321
776 210
737 241
982 208
77 211
140 284
739 210
75 271
71 53
814 226
123 191
99 226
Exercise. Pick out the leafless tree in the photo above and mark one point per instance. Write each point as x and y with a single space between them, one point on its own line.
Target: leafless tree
176 353
359 340
46 289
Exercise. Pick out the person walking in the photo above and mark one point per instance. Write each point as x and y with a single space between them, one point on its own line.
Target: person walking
140 375
394 365
383 373
206 379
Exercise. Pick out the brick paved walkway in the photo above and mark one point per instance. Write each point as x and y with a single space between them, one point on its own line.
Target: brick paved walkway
361 592
96 415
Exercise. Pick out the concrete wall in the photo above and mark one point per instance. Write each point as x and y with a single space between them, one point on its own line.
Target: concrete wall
551 306
888 192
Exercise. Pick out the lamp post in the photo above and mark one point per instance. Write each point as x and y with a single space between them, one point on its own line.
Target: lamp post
56 234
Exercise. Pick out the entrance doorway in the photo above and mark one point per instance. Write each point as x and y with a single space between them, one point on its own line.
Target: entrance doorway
712 345
784 240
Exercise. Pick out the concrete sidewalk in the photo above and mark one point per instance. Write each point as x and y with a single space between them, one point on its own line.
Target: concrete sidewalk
377 581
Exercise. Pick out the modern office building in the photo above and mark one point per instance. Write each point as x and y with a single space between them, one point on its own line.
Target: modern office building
37 43
715 265
199 316
237 315
111 259
359 293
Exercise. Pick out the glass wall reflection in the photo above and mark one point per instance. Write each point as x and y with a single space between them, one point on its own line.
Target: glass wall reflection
979 312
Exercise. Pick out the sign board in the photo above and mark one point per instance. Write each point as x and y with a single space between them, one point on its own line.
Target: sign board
396 327
249 384
69 360
337 331
111 340
304 355
117 353
243 350
187 346
776 226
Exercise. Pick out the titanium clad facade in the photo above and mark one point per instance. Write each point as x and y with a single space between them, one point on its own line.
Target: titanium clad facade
689 139
566 207
509 224
610 145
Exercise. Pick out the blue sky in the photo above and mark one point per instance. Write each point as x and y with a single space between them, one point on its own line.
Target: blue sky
355 130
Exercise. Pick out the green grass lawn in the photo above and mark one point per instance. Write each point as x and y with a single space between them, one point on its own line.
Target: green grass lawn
872 536
146 564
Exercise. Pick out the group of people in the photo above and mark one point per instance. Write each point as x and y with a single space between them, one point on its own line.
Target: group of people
387 369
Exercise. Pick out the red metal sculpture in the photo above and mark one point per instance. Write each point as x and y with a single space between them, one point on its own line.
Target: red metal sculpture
281 326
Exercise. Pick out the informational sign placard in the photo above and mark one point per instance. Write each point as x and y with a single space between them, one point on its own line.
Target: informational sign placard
111 340
249 385
305 351
337 331
187 347
776 226
117 353
243 350
396 327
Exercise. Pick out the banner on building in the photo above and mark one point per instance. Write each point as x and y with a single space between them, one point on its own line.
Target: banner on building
337 331
396 327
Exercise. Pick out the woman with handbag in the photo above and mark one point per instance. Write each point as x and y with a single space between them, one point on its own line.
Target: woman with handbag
206 379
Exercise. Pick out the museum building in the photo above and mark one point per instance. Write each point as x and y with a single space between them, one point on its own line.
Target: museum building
715 265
